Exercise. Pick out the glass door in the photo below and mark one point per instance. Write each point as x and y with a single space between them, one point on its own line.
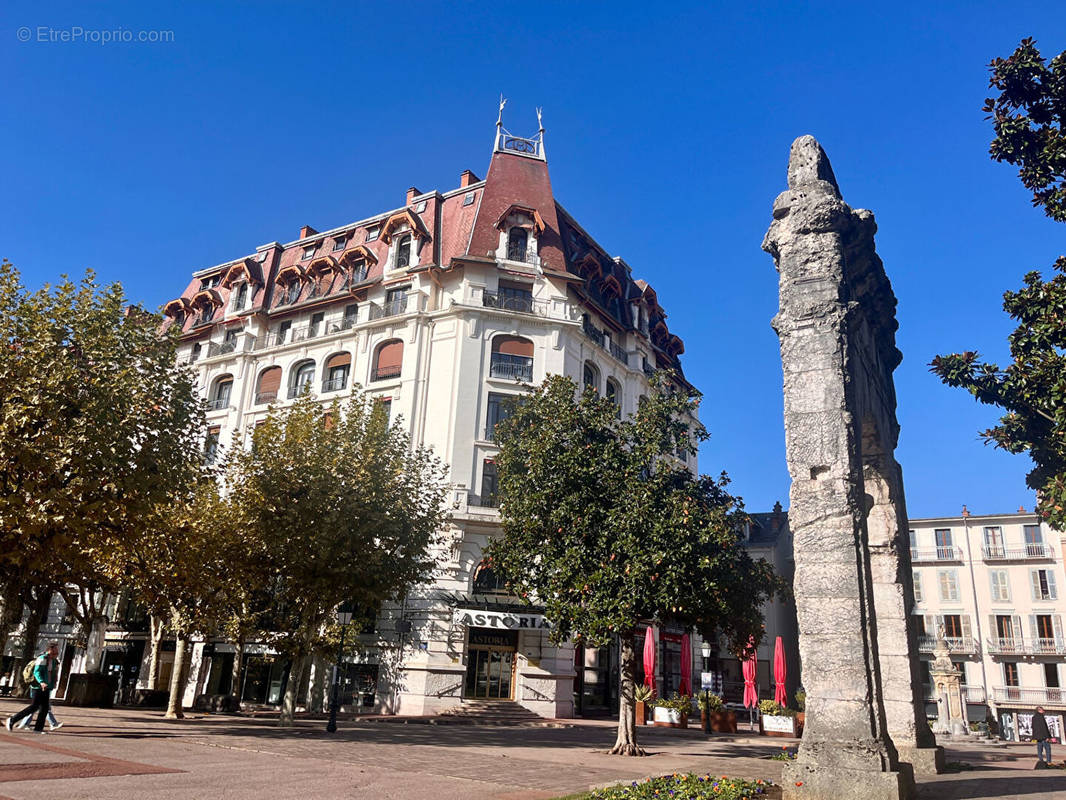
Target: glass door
489 674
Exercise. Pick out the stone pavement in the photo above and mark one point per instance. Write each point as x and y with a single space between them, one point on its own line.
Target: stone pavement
125 753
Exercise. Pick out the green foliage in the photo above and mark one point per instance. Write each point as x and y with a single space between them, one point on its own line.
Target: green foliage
605 529
1029 117
784 754
643 694
99 428
679 702
773 709
342 509
690 786
709 701
801 700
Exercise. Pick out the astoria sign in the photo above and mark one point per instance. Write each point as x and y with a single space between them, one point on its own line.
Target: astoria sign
477 618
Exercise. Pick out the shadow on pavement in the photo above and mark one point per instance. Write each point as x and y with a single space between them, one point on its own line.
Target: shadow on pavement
982 786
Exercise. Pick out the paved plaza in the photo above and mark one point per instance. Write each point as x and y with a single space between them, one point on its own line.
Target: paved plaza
125 753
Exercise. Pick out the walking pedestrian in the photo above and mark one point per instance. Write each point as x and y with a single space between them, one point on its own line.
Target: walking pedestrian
53 724
1041 735
42 680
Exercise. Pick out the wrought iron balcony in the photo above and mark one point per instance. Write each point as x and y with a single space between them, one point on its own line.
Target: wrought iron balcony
971 694
936 554
384 373
334 384
518 368
956 644
522 303
221 348
1025 553
297 389
262 398
217 404
1036 696
620 353
1019 646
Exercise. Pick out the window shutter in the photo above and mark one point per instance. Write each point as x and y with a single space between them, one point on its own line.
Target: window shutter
938 624
1056 623
1034 631
967 631
339 360
1052 593
1016 626
993 629
930 625
390 355
1034 576
270 380
513 346
917 587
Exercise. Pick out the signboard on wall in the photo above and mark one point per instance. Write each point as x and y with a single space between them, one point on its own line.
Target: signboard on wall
504 620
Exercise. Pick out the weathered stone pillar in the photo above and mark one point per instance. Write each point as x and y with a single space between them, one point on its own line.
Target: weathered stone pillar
837 328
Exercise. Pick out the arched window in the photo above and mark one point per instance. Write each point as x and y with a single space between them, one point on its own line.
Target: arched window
337 368
220 394
403 251
266 391
614 394
590 377
517 239
488 580
302 375
388 360
512 357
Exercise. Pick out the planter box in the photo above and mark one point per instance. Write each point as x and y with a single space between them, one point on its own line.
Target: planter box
778 726
642 712
670 718
724 721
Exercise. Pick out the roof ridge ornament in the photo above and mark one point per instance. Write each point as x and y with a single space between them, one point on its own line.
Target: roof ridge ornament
529 147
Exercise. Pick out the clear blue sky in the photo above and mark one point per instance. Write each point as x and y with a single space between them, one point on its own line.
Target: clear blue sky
668 128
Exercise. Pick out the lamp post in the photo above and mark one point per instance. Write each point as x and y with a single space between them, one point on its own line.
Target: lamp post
344 616
705 651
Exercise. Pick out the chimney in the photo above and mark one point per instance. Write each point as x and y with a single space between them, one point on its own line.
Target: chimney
306 231
467 178
965 511
412 193
1021 509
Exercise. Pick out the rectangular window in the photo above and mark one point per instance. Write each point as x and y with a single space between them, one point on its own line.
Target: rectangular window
994 542
240 297
371 234
949 585
350 312
1010 673
1000 585
944 549
283 331
339 243
1034 541
1043 584
468 198
490 487
385 404
211 445
1051 676
917 586
316 324
952 626
396 301
308 252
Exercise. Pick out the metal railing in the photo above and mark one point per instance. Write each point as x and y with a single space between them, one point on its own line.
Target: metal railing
620 353
971 694
515 302
221 348
483 500
1019 646
936 554
517 251
592 332
383 373
217 404
297 389
262 398
1048 696
956 644
334 384
1029 551
392 308
518 368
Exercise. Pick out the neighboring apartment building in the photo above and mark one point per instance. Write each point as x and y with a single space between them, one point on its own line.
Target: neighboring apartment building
993 582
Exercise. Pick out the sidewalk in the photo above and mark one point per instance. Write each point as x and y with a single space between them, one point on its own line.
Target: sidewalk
128 753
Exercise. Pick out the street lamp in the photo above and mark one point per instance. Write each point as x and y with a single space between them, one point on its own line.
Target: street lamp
705 651
344 617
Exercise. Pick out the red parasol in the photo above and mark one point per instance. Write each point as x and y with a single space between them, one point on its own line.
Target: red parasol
649 658
751 696
686 666
779 673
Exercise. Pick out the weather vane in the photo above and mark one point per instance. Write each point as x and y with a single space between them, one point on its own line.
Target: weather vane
503 102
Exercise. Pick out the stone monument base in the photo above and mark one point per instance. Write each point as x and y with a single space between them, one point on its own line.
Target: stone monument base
93 690
802 782
924 760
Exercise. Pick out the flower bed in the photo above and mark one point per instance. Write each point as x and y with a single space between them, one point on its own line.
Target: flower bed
688 787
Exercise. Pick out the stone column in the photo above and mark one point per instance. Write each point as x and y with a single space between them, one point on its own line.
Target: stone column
846 751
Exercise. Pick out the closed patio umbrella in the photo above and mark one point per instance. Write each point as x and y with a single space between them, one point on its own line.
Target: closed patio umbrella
779 673
751 696
649 658
686 666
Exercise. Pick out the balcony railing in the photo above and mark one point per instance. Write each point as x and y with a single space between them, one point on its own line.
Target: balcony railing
334 384
297 389
1036 696
483 500
1025 553
512 302
384 373
620 353
262 398
956 644
1018 646
972 694
401 305
518 368
592 332
936 554
217 404
221 348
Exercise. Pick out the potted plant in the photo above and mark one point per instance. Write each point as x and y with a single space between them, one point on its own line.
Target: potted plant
643 697
775 720
721 719
673 713
801 706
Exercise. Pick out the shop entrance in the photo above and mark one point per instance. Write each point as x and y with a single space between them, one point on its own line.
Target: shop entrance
490 664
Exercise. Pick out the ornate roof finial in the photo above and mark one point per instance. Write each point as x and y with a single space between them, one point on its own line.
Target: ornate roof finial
965 511
499 119
540 120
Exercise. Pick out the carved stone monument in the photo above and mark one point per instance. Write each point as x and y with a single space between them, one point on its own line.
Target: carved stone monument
865 731
947 683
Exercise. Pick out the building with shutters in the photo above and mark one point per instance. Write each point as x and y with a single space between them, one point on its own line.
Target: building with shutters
993 584
442 308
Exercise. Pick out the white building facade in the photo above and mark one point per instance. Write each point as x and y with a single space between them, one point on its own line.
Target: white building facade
992 585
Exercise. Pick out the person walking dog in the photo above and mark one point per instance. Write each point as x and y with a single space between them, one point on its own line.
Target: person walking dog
1042 735
42 681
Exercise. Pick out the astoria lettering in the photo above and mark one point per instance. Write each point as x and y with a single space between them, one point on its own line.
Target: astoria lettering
495 619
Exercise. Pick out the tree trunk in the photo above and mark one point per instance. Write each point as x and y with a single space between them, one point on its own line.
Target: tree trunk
94 644
318 687
238 662
177 680
42 598
626 743
156 627
292 689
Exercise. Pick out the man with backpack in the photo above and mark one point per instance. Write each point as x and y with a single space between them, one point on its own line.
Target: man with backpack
42 680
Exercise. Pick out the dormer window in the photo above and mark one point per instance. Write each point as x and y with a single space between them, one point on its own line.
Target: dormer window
309 252
517 240
240 297
403 251
210 282
468 198
340 243
372 234
292 292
